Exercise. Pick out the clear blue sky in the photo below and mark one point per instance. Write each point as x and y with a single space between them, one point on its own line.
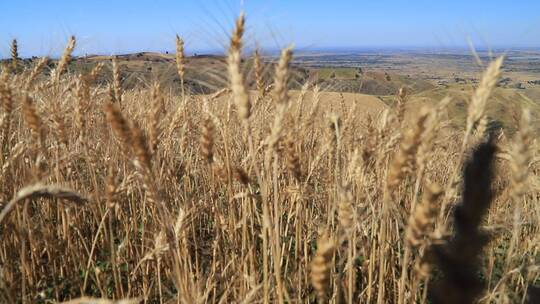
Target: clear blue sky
116 26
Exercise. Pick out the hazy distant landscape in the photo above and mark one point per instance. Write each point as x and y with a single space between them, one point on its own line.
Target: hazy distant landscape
427 75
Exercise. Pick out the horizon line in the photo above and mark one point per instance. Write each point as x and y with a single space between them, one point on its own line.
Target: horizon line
303 50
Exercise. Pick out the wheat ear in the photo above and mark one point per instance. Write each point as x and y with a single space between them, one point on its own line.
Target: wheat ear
180 62
281 95
40 190
207 140
117 81
6 101
14 55
238 87
477 106
40 65
155 117
64 59
119 125
321 267
259 78
32 119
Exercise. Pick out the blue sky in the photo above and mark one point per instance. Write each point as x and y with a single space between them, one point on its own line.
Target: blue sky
117 26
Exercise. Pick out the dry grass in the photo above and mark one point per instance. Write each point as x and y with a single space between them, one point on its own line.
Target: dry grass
250 197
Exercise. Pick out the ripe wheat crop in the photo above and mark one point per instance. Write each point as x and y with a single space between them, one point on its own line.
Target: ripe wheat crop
256 193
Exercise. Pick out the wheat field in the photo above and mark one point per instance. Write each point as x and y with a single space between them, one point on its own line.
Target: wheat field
256 194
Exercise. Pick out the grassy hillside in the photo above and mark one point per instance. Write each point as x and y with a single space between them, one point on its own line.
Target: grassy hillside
503 108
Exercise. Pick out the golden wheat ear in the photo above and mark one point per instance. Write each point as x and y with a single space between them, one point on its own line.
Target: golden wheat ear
423 217
293 161
477 106
65 59
321 267
259 71
281 95
207 141
120 126
140 146
180 62
14 55
32 118
234 59
155 117
6 102
521 157
117 80
46 191
38 68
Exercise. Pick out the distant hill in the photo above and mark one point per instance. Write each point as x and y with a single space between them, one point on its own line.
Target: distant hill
370 82
206 74
503 108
